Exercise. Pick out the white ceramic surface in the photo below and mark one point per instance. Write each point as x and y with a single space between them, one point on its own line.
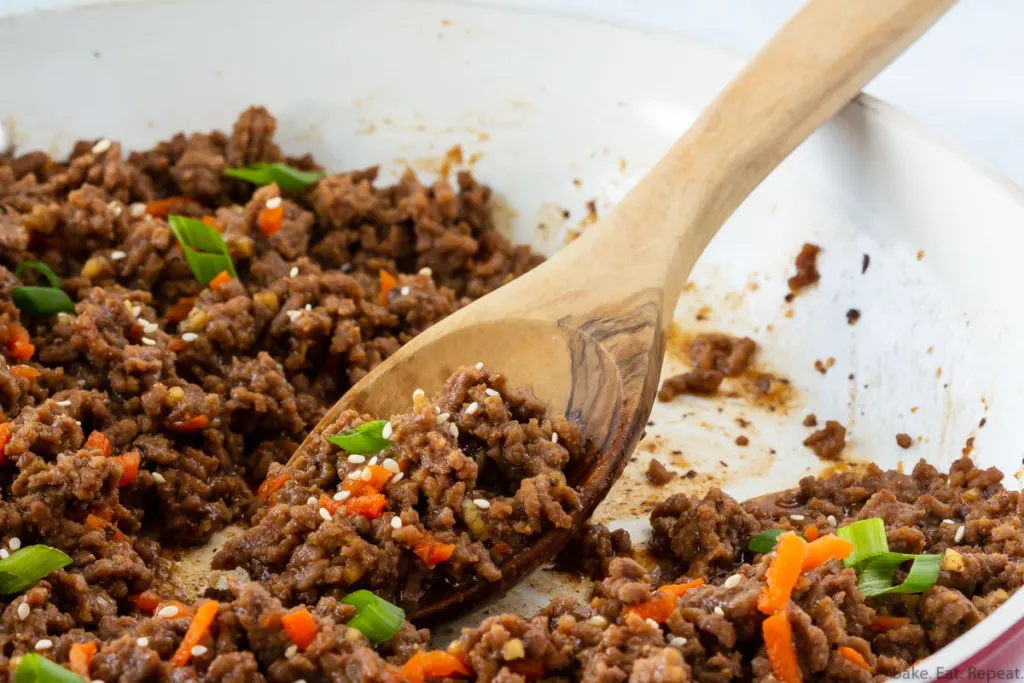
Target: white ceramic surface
546 101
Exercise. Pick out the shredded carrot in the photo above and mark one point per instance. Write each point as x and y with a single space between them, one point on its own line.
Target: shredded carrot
436 664
369 505
223 277
826 548
329 504
191 425
25 371
19 344
214 223
99 441
103 512
197 630
146 601
5 438
179 310
387 283
129 466
271 484
811 533
783 573
80 657
175 344
855 657
95 522
883 623
778 640
162 208
183 610
300 627
270 220
659 608
359 487
432 552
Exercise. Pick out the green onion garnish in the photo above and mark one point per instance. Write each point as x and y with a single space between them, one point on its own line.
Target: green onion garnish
765 541
377 618
34 668
877 571
366 439
42 268
286 177
26 566
867 537
42 301
205 250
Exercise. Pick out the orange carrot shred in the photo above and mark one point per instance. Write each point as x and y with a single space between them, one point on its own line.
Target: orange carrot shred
223 277
180 309
191 425
778 640
811 533
883 623
99 441
270 220
19 343
370 505
826 548
387 283
329 504
25 371
783 573
197 630
680 589
95 521
659 608
80 657
435 664
175 344
271 484
183 610
162 208
213 223
433 553
378 477
129 466
300 627
5 438
855 657
146 601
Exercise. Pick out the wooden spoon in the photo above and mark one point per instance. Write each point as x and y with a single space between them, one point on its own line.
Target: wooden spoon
587 328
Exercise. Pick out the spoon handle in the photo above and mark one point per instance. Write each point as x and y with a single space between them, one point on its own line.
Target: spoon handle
816 63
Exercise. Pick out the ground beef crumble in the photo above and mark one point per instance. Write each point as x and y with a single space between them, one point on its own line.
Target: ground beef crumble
806 268
829 441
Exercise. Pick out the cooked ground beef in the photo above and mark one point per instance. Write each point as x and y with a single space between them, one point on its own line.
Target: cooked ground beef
852 316
904 440
592 548
806 268
700 382
741 440
810 420
657 473
714 357
828 442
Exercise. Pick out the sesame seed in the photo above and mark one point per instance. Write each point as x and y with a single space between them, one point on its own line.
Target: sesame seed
554 437
442 418
117 255
959 534
947 521
291 651
426 270
479 366
168 612
44 644
653 624
396 522
189 337
101 146
797 518
148 342
293 315
491 392
391 466
731 581
418 394
135 310
366 474
719 611
309 307
159 478
472 408
342 496
198 651
482 503
4 553
404 291
63 404
437 410
387 431
678 641
273 203
293 272
831 519
78 422
311 500
137 209
597 620
357 459
453 430
301 680
150 328
143 641
354 475
115 208
96 680
397 477
23 611
325 514
14 543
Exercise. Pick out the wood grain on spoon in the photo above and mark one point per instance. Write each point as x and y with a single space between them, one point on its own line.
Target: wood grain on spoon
587 329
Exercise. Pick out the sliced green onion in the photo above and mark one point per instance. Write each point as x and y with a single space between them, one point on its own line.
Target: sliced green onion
765 541
205 250
42 268
34 668
26 566
876 574
286 177
42 301
867 537
366 439
377 619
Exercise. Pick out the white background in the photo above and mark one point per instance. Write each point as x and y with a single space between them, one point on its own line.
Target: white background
965 79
